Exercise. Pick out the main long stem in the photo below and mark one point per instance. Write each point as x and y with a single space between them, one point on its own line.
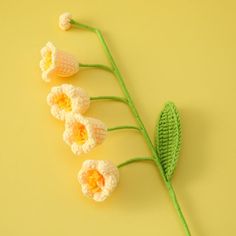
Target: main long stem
140 123
143 130
177 207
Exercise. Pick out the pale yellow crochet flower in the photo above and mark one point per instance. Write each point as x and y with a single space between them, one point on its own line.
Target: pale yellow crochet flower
67 98
98 179
56 63
64 21
83 133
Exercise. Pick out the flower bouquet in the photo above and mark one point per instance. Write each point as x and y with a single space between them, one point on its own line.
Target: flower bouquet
99 178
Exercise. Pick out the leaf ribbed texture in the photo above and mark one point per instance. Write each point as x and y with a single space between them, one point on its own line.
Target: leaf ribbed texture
168 138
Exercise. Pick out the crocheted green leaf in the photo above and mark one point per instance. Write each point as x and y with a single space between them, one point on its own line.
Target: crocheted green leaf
168 138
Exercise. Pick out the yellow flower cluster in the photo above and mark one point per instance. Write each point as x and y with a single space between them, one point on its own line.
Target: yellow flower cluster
68 103
98 178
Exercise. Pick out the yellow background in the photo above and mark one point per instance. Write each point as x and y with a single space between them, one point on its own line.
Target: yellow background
184 51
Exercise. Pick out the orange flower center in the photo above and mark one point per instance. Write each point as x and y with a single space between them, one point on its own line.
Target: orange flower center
80 133
95 181
63 102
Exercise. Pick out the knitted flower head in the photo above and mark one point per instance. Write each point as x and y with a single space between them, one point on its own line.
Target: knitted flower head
56 63
83 133
67 98
98 179
64 21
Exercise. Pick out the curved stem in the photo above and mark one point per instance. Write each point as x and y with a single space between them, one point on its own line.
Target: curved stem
139 122
114 98
123 127
82 26
97 66
136 159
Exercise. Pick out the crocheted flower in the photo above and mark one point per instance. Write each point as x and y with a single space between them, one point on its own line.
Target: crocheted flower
98 179
67 98
64 21
83 133
56 63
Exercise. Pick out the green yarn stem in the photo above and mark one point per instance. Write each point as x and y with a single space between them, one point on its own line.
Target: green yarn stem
136 159
97 66
113 98
82 26
140 123
177 207
123 127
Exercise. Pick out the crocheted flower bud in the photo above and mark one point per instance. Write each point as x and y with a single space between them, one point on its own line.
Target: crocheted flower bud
67 98
98 179
56 63
83 133
64 21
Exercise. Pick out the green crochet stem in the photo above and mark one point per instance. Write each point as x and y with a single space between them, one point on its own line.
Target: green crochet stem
98 66
123 127
136 159
135 113
114 98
